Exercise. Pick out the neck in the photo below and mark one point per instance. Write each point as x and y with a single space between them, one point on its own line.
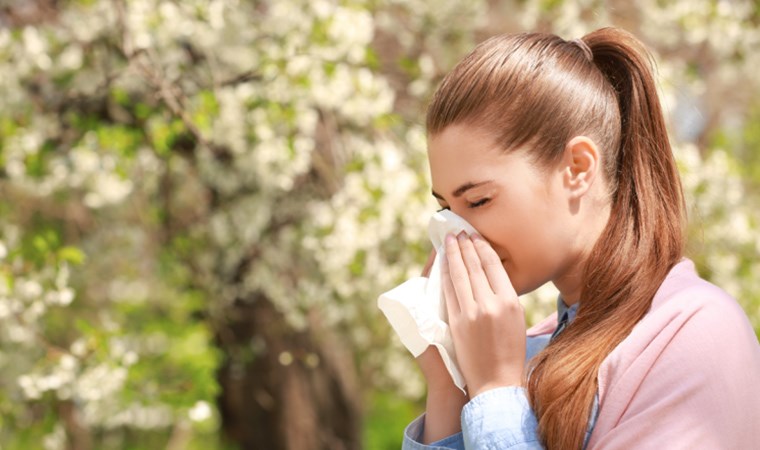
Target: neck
570 286
569 281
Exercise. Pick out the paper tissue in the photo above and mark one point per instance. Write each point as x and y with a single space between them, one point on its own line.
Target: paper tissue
416 308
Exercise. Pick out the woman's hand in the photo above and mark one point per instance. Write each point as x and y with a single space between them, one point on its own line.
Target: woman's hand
430 361
486 319
444 400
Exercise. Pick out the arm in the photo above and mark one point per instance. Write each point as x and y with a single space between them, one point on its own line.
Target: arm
476 414
444 400
439 427
500 418
488 327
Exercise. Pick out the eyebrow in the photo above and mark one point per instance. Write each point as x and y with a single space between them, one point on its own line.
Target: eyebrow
462 189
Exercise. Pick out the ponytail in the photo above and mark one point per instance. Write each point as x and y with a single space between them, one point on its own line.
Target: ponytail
642 241
537 91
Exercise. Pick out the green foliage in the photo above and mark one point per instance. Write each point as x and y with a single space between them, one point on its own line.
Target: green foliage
387 411
145 162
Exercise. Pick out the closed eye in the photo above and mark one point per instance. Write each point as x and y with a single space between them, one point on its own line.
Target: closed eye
478 203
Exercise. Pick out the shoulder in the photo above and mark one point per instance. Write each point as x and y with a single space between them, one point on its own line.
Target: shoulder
689 311
689 317
695 351
683 290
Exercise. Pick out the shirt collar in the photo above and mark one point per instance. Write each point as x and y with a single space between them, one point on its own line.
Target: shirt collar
562 308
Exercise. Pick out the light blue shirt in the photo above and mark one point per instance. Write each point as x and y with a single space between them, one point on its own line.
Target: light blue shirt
500 418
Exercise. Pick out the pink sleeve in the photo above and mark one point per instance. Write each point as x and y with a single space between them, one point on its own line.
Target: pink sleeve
687 377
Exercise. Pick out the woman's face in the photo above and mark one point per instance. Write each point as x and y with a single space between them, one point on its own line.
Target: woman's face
523 211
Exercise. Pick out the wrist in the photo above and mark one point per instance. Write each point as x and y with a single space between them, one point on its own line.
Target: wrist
484 387
433 369
443 386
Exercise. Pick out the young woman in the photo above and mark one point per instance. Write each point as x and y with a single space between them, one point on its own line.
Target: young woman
556 152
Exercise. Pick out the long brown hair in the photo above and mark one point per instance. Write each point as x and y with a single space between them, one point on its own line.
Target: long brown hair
537 91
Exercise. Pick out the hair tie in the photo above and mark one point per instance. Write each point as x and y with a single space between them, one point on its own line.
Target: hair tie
585 48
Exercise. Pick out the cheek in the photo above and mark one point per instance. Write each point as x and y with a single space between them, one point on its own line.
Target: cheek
479 221
492 227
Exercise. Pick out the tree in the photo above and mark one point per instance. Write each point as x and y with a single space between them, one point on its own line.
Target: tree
203 199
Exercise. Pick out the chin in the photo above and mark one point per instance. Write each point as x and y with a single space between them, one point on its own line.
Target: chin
523 289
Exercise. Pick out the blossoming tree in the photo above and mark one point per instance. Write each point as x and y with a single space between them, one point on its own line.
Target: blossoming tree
203 199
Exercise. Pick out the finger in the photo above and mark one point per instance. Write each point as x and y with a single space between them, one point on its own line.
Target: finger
449 295
498 278
428 264
458 273
477 277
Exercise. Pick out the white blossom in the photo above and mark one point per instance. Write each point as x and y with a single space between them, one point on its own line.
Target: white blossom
200 411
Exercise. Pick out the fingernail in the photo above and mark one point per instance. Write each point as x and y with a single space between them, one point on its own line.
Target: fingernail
476 237
462 236
450 239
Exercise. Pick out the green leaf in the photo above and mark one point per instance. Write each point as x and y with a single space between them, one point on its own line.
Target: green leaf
71 254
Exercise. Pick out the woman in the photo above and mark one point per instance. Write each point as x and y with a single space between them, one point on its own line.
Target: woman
556 152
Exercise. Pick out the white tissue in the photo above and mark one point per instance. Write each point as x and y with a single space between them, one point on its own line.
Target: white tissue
416 308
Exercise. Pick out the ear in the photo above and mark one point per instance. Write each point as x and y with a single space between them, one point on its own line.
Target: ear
582 165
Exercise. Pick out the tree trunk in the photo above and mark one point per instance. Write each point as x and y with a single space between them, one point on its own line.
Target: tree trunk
285 389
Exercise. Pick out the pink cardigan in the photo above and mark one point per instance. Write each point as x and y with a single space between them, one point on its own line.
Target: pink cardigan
688 375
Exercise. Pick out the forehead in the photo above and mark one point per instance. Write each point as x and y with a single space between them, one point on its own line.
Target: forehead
459 153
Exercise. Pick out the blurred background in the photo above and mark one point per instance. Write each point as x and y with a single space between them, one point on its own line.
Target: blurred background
201 201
